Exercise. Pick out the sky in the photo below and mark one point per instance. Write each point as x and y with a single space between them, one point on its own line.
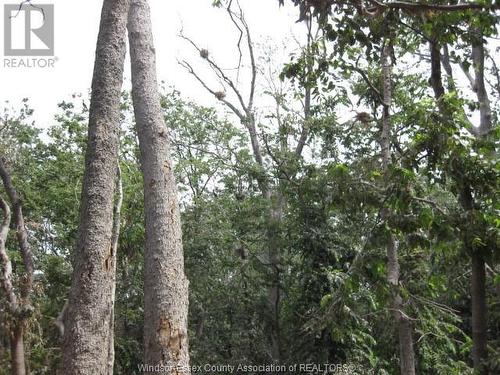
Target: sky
76 28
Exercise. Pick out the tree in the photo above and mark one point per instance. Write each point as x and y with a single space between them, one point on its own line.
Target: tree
87 320
19 302
165 284
276 155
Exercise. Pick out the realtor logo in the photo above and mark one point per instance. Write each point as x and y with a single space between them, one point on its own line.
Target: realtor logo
28 29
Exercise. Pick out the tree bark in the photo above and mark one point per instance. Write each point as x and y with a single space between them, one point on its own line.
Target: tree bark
88 315
485 118
17 349
406 350
165 284
115 236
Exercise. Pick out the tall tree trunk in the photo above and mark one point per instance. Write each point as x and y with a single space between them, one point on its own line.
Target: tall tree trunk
478 276
165 284
87 329
466 199
406 351
485 119
113 259
17 349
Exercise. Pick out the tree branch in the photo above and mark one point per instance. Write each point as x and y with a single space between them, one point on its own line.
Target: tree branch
22 235
4 257
231 106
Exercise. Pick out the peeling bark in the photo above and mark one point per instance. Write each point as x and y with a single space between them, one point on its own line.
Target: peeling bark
87 331
165 284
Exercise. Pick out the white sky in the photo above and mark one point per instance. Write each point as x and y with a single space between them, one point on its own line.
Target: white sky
76 27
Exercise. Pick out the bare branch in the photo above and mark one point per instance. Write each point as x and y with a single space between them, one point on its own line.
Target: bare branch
240 38
231 106
478 55
369 83
22 235
307 97
495 71
445 61
6 263
252 61
431 203
219 72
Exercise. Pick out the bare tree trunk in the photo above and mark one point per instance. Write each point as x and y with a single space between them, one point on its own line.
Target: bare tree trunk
113 259
406 350
17 349
16 330
165 284
88 315
485 119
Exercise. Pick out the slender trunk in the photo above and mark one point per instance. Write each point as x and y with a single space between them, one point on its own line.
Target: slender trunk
165 284
22 301
485 119
88 315
406 350
17 349
274 289
478 276
478 294
113 259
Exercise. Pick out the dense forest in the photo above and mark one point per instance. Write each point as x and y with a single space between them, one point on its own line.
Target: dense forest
337 213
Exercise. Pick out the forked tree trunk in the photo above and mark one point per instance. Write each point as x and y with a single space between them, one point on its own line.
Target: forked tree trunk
406 350
87 330
165 284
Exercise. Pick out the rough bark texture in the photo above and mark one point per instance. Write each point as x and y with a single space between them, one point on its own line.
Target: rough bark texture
406 351
88 315
165 284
